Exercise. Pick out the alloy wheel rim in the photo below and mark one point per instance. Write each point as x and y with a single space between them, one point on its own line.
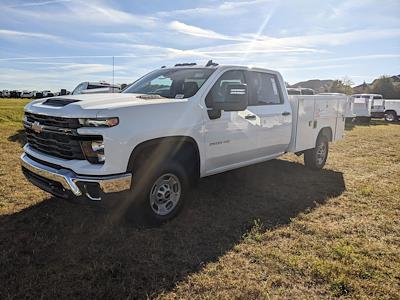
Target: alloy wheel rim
165 194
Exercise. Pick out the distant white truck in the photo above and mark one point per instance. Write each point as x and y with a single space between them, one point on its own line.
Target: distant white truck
169 128
367 106
392 110
27 94
5 94
96 88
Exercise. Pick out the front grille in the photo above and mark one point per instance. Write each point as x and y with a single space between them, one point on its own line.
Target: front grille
55 144
58 137
71 123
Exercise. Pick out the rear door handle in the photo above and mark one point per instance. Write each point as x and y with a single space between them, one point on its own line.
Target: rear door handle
286 113
250 117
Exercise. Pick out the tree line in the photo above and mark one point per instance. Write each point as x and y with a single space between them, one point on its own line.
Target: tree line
384 85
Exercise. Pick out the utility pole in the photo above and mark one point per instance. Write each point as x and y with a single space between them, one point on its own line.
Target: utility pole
113 75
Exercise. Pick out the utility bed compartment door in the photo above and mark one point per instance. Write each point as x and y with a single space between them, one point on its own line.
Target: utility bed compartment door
341 118
306 125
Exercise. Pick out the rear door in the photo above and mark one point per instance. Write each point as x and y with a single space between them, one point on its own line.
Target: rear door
269 113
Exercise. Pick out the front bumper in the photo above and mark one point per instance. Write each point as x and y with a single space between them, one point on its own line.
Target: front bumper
69 181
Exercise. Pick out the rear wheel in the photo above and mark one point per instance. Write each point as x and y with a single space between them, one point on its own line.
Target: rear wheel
316 158
390 116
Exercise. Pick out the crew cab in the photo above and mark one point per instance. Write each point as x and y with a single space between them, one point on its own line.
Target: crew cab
150 143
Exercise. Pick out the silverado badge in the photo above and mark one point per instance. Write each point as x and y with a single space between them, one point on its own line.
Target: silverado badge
36 127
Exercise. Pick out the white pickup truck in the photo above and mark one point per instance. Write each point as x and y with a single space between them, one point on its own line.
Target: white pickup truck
169 128
392 110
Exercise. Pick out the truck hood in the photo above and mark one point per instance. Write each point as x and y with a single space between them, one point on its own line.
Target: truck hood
90 104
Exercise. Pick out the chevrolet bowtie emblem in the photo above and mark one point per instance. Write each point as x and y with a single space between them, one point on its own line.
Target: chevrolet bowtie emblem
36 127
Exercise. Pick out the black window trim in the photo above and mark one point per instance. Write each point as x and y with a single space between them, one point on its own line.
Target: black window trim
250 89
218 78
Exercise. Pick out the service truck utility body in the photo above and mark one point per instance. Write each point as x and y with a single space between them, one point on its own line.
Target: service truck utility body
255 121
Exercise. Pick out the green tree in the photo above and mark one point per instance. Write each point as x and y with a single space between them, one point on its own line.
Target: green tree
341 86
384 86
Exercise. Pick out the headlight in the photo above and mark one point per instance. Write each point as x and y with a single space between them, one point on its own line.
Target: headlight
99 122
94 151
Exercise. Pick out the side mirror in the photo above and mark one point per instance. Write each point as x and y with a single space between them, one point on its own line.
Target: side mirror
236 98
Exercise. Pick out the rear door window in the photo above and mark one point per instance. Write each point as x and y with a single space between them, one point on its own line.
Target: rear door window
264 89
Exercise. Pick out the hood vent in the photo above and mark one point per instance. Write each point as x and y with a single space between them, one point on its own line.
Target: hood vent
58 102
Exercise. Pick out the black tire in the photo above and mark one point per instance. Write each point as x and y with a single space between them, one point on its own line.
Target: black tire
312 157
145 190
390 116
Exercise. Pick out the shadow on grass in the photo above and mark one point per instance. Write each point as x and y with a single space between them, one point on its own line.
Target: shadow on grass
18 137
374 122
61 249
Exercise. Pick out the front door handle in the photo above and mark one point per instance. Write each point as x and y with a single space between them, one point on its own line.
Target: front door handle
286 113
250 117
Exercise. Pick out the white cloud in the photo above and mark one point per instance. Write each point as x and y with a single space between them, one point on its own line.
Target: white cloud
200 32
85 12
223 9
13 34
40 3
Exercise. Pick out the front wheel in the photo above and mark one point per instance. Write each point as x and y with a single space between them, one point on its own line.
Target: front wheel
316 158
161 195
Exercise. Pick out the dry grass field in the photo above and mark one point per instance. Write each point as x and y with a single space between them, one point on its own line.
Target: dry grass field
270 231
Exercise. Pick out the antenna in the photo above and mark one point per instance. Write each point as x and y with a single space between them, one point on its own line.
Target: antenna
113 77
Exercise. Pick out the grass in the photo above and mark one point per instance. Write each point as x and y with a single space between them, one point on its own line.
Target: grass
270 231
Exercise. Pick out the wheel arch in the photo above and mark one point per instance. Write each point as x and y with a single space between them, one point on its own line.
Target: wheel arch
167 148
391 110
326 132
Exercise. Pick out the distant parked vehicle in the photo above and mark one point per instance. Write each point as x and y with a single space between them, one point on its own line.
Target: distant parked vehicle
47 94
5 94
63 92
377 106
367 106
300 91
96 87
15 94
27 94
392 110
362 104
38 95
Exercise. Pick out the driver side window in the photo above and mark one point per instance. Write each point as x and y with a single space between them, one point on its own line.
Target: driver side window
217 92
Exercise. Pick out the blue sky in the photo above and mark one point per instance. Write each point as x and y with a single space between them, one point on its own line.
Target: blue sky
57 44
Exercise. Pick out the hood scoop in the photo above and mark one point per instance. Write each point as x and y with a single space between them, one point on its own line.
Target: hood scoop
59 102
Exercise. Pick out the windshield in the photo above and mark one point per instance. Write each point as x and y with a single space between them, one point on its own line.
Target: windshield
171 83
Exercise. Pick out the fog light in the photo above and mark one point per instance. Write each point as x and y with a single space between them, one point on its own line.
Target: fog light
94 151
98 146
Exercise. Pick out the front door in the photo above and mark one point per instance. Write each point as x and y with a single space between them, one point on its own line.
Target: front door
230 138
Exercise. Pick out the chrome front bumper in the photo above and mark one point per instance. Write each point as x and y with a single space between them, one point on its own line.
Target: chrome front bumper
69 180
